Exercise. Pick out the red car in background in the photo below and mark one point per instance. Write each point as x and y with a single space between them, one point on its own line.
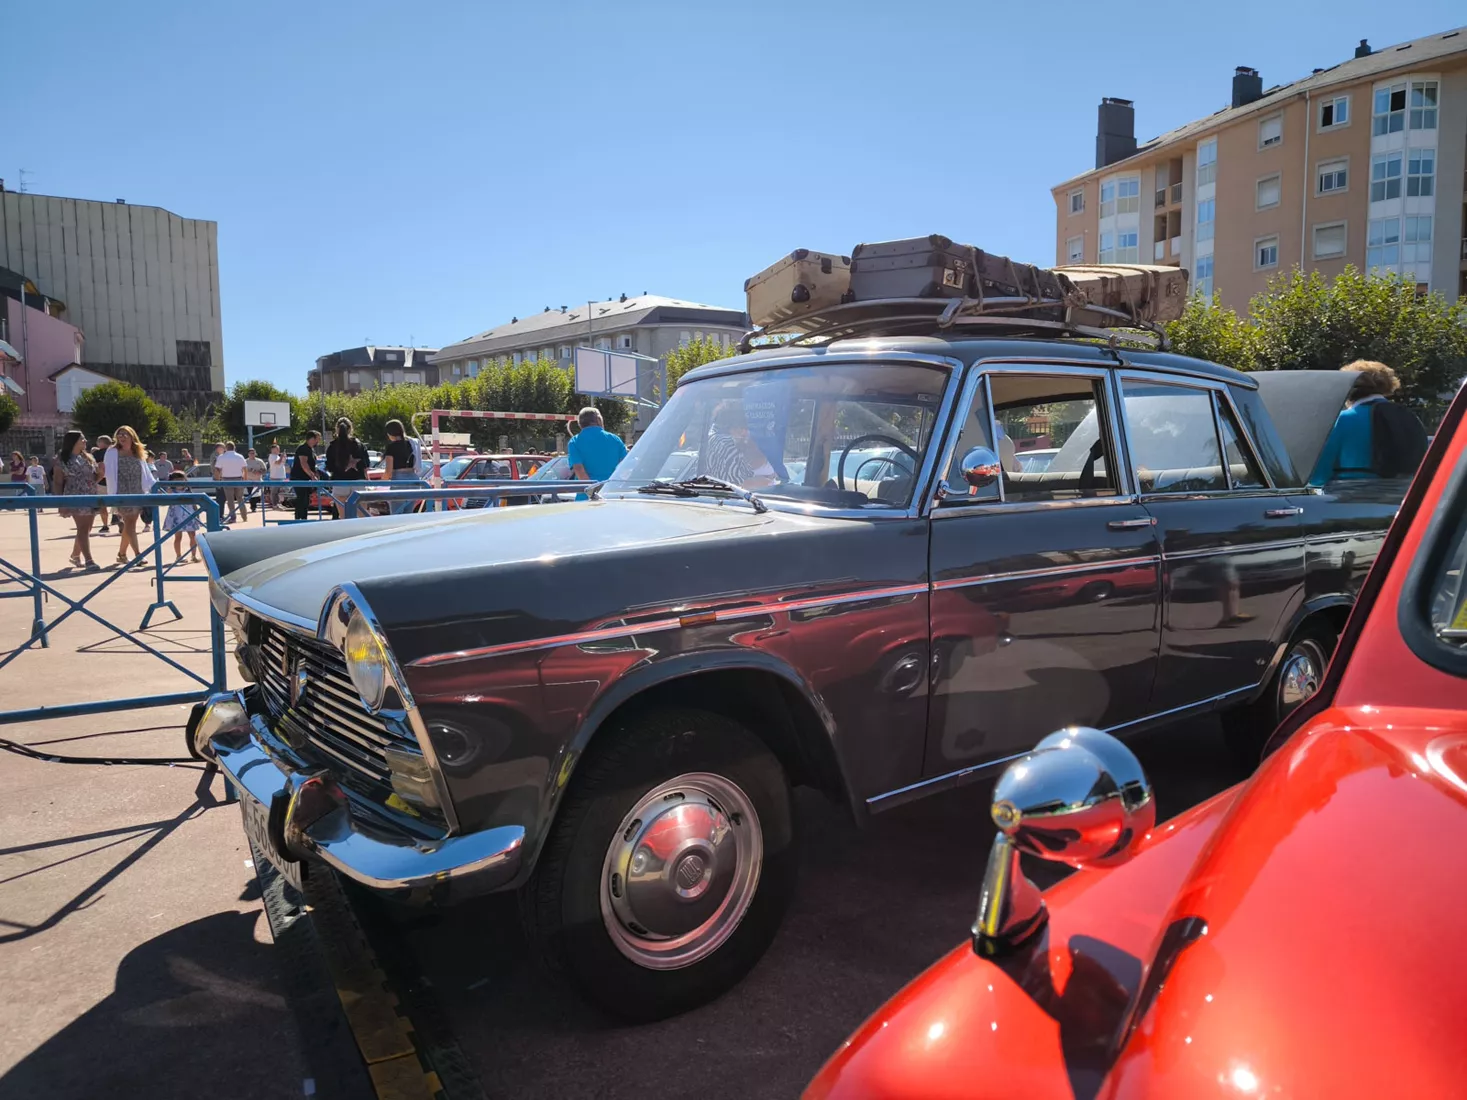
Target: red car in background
1298 935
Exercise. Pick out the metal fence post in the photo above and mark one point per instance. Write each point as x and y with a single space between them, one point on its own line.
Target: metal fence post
159 603
38 624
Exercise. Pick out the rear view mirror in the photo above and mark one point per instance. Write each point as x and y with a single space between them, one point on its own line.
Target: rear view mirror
981 468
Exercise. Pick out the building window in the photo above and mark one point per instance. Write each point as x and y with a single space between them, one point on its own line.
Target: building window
624 341
456 369
1385 177
518 358
1423 104
1077 202
1266 252
565 351
684 338
1268 191
1329 241
1107 248
603 343
1416 241
353 378
1420 168
1206 218
1334 112
1108 200
1120 196
413 377
1334 175
1207 162
1075 250
1383 243
1128 247
1203 270
1271 132
1390 110
473 368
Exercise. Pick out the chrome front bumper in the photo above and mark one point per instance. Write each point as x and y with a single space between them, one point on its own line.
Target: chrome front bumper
325 828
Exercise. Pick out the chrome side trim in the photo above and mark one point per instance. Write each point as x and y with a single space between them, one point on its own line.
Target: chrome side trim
1050 571
653 626
994 507
1240 548
1349 536
890 799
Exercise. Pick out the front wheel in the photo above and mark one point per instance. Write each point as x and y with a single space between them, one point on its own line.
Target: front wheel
1296 680
669 867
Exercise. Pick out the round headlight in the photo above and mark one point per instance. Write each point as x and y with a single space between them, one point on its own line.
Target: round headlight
366 662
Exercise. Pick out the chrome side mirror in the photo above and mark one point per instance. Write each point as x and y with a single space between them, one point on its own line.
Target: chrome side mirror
1079 798
981 467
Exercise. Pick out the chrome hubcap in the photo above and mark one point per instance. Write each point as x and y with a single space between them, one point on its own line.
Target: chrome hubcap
1302 672
681 871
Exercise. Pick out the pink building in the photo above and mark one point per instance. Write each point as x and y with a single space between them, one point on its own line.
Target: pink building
47 346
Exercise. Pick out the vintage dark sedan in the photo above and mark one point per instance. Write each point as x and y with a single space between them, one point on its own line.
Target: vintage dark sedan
603 705
1251 946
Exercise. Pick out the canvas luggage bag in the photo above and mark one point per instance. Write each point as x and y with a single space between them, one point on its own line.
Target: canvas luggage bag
1146 292
804 282
936 267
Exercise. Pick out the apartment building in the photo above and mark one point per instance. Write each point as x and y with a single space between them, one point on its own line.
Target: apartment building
1362 163
648 324
356 369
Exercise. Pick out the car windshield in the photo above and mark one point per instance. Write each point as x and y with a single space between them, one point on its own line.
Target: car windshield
843 434
455 468
555 469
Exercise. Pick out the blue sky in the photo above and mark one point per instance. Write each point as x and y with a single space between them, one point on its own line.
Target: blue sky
397 171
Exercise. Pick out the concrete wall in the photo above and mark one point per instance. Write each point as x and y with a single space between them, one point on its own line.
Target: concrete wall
48 344
135 279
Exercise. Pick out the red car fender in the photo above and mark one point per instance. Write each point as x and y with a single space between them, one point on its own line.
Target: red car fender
1043 1014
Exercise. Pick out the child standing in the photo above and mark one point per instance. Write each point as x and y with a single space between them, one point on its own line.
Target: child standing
183 519
35 474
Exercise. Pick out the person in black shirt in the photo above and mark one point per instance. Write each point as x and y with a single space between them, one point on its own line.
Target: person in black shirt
303 468
399 462
346 460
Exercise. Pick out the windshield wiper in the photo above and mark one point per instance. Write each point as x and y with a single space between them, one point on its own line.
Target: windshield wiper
697 486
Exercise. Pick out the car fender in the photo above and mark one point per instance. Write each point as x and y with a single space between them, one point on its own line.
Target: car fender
1306 610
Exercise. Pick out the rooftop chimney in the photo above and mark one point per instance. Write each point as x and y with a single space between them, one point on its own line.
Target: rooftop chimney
1363 50
1115 131
1247 86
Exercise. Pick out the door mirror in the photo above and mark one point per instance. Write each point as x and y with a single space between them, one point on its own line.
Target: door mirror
980 467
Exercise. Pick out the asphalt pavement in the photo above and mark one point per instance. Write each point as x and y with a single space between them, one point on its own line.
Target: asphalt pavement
875 907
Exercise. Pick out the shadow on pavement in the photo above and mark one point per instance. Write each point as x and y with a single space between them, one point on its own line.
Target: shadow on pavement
188 1018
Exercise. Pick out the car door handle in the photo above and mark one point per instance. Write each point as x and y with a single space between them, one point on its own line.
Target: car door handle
1131 524
1282 513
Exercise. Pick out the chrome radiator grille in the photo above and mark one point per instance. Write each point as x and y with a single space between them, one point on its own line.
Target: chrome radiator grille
327 714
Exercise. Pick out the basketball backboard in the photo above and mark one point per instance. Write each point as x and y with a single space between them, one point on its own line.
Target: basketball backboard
267 414
601 373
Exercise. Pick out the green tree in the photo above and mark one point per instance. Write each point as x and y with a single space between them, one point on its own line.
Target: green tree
1305 322
9 411
103 409
230 413
1206 330
683 359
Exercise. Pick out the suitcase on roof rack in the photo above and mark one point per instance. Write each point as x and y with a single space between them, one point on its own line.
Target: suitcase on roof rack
802 283
1145 292
935 267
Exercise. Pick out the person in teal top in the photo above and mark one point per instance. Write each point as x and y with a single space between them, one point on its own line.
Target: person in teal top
594 453
1349 452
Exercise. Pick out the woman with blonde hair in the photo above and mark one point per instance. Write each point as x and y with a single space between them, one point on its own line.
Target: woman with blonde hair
127 471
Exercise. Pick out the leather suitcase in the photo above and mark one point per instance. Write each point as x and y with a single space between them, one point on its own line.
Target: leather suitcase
919 267
1147 292
935 267
804 282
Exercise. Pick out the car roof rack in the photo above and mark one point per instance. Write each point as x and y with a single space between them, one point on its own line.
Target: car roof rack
1027 316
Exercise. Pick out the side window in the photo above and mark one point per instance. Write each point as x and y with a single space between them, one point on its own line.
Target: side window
1173 438
973 476
1241 465
1053 441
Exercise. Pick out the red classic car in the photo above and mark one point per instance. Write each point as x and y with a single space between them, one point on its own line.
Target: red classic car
1296 935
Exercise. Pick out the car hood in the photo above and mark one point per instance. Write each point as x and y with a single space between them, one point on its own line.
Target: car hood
487 577
1298 935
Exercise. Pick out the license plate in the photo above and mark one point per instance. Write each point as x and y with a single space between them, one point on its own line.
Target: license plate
257 828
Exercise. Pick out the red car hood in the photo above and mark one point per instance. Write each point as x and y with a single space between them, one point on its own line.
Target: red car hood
1331 886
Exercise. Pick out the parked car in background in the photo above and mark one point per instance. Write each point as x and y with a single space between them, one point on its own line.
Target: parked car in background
1210 964
611 725
1037 460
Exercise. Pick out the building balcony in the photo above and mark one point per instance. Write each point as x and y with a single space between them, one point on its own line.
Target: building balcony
1176 190
1160 197
1176 247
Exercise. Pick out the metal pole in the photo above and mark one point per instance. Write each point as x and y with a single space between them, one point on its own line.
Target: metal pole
38 624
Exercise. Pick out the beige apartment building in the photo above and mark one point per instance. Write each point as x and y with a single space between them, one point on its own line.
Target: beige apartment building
1362 163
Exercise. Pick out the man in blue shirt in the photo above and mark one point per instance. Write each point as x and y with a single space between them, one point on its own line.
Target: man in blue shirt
594 453
1349 452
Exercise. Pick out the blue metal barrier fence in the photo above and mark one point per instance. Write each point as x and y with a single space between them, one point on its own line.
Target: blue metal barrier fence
37 587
